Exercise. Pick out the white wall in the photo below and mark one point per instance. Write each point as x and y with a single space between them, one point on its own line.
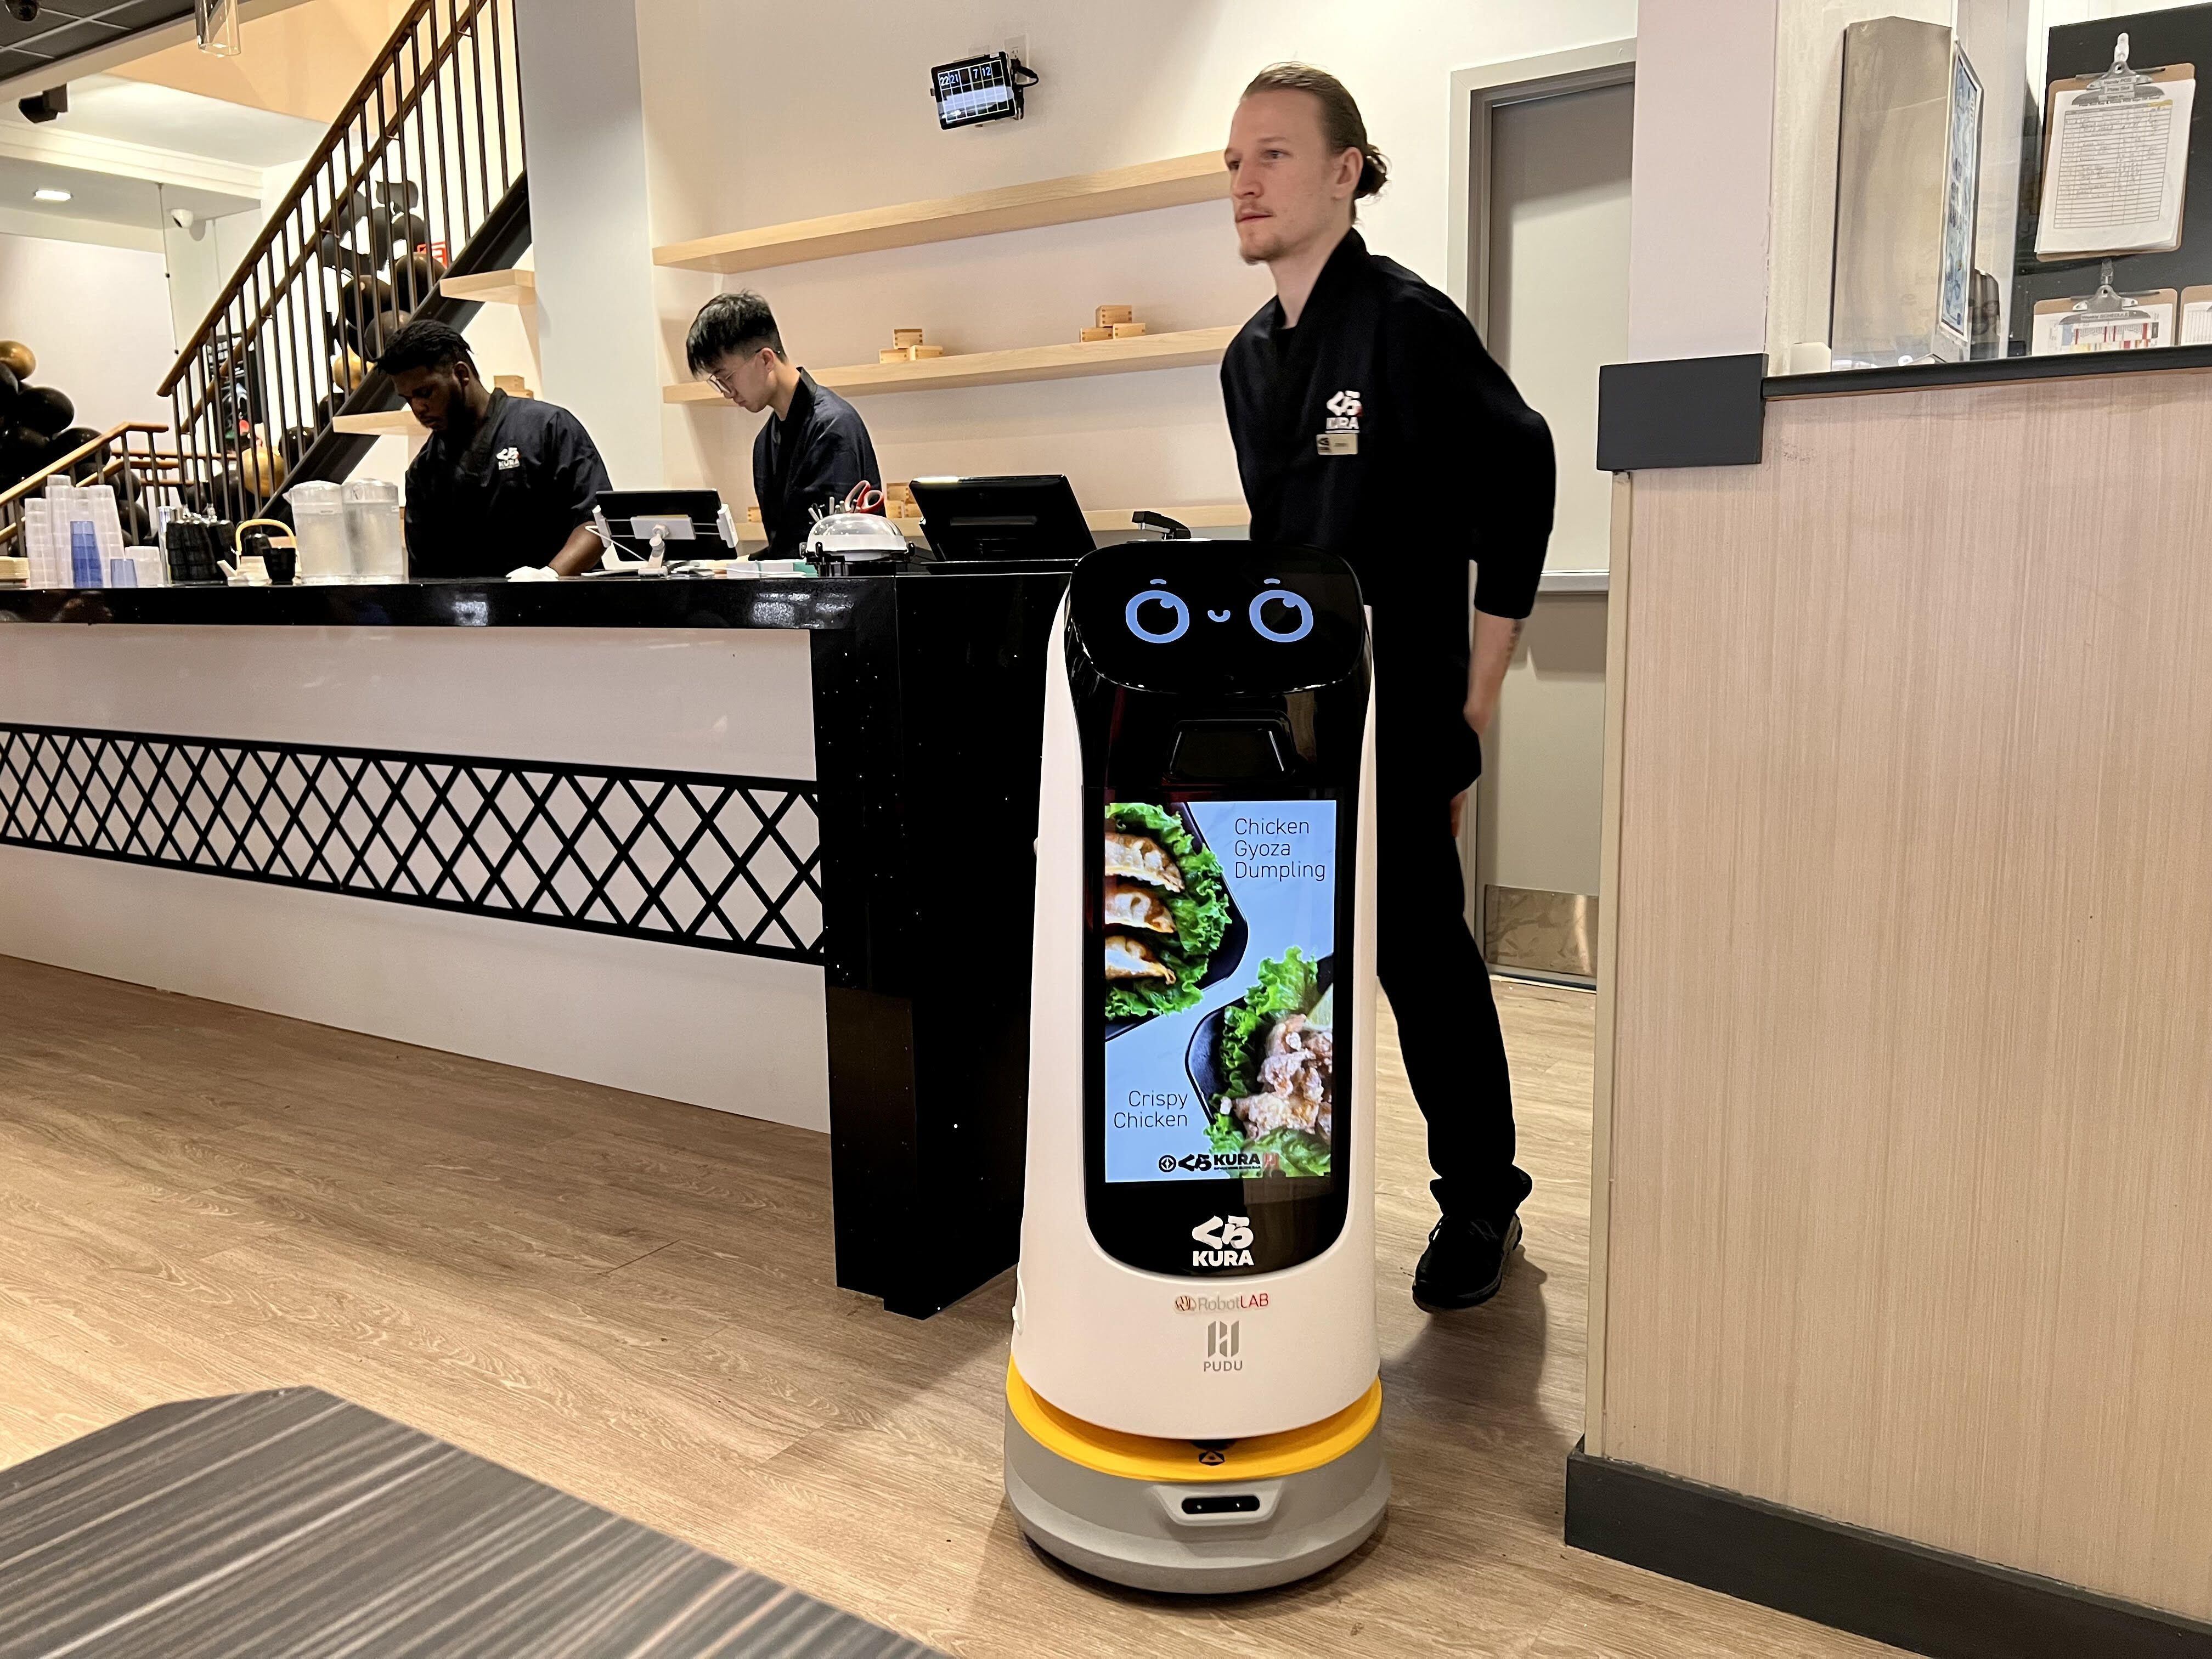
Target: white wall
590 227
98 317
1705 138
759 113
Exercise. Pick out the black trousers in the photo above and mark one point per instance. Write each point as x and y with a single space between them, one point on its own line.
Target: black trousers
1432 971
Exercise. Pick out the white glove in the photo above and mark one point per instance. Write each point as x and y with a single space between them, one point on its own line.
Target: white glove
534 573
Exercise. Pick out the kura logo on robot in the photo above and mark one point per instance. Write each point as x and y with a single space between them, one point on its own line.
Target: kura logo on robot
1228 1243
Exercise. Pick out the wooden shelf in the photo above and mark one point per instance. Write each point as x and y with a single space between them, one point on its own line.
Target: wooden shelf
493 288
385 423
1208 516
1177 182
1188 349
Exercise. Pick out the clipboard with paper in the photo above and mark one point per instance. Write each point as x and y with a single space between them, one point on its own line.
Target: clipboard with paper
2107 320
2196 316
2115 160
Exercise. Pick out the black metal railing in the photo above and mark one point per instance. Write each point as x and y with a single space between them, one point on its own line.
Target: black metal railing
426 157
125 458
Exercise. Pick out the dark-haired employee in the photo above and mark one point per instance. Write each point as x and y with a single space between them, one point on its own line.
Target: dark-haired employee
815 450
502 481
1369 422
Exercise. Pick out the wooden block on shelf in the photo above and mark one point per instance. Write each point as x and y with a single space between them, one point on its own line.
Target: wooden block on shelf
898 354
906 336
1106 333
510 384
918 352
753 513
1128 330
1109 315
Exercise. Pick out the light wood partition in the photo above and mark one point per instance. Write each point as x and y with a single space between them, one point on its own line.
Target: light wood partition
1906 1178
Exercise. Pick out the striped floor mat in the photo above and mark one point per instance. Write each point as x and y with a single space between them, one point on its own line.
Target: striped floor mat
294 1524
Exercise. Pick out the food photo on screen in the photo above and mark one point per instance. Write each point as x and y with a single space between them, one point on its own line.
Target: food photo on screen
1218 924
1272 1071
1167 911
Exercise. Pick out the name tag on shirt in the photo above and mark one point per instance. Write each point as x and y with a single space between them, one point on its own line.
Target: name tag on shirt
1337 443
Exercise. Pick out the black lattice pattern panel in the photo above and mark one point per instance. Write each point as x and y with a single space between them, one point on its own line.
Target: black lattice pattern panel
722 863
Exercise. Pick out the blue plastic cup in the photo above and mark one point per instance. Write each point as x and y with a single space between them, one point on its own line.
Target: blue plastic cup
84 556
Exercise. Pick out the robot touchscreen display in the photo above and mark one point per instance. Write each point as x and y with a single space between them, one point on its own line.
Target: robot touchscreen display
1221 1017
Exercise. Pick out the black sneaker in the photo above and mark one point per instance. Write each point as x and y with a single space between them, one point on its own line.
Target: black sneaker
1465 1263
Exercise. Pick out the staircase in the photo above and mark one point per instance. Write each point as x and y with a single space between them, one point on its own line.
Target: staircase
420 177
123 457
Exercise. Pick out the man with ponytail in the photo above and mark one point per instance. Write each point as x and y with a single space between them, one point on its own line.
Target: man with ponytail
1370 421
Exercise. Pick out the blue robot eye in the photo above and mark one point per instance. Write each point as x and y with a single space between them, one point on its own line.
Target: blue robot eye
1297 602
1166 635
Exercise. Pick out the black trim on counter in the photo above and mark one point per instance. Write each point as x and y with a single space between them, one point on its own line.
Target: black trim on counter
809 602
1991 371
1924 1599
1686 411
1708 411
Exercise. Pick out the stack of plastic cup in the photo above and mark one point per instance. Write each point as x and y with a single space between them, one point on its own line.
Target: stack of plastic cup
39 544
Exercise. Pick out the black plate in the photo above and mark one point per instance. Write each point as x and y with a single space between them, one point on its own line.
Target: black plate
1202 1059
1226 955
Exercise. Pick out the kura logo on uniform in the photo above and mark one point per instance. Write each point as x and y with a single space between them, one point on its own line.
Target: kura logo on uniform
1228 1243
1343 413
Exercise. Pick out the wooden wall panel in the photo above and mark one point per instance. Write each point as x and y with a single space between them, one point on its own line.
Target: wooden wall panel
1910 1138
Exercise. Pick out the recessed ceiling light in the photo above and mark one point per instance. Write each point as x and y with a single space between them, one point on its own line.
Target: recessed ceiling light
50 196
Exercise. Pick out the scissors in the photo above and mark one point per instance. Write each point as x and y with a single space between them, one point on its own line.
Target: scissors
863 497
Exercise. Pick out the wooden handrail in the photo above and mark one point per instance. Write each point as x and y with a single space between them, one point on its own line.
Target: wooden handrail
387 61
30 485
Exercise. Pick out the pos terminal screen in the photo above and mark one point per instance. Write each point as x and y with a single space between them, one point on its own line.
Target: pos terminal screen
1221 1025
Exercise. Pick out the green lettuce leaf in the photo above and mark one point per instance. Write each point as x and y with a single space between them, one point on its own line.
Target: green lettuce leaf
1300 1153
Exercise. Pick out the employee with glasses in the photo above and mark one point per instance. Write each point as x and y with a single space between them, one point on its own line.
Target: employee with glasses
815 451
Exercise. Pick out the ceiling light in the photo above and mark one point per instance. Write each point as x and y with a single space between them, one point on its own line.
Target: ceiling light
50 196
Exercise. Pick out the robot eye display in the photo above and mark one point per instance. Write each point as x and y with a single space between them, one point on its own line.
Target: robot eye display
1300 623
1156 617
1277 615
1227 620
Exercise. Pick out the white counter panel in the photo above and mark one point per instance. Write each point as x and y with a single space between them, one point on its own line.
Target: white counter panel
731 700
733 1032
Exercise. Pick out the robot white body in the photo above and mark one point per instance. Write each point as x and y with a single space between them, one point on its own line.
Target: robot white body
1208 1426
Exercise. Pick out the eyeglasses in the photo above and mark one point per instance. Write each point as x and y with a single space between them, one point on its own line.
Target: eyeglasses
725 382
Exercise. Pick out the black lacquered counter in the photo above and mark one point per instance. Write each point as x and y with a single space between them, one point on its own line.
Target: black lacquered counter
611 602
927 700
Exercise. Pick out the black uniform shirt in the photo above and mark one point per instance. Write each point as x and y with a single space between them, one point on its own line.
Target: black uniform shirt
509 495
820 449
1380 430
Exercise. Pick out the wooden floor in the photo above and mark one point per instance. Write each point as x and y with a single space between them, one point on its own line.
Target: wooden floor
631 1300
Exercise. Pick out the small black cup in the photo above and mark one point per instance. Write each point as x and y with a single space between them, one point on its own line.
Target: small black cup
281 554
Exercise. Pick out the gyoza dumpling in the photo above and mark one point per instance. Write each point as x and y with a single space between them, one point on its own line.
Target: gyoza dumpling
1142 857
1128 905
1133 958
